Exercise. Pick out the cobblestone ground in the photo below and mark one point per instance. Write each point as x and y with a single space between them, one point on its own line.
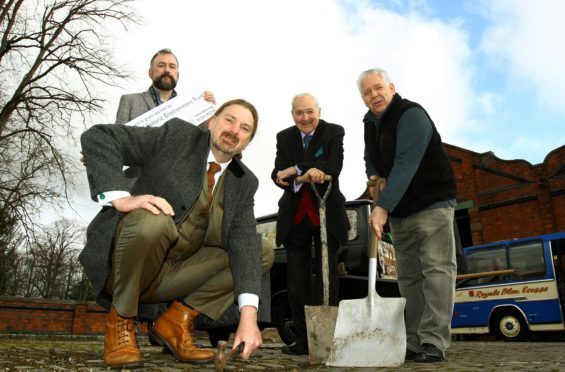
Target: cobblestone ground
19 353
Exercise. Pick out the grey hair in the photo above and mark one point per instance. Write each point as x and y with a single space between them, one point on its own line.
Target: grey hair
379 71
303 95
163 51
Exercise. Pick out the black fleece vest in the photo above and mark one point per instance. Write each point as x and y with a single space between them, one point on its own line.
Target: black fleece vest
433 180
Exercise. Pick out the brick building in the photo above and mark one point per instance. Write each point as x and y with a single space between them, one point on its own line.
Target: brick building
503 199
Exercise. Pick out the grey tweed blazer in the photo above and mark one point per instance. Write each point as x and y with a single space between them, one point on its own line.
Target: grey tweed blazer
172 158
134 105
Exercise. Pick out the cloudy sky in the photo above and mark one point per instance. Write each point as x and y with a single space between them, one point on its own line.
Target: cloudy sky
488 72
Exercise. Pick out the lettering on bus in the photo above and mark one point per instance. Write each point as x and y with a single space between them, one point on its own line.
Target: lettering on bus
507 291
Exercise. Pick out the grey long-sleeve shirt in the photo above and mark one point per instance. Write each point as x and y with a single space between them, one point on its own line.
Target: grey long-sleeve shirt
413 135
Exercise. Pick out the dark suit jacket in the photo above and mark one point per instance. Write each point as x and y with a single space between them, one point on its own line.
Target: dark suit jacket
325 152
172 158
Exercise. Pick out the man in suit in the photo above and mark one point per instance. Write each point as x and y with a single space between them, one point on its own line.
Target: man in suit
184 234
164 75
306 152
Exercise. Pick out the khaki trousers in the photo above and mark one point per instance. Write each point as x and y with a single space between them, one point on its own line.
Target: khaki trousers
141 273
426 268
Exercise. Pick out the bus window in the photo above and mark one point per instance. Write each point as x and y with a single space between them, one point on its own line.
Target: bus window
484 260
527 260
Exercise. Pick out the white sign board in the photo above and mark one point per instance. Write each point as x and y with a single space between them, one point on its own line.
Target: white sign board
194 109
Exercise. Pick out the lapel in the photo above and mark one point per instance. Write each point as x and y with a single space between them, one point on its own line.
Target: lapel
233 184
148 100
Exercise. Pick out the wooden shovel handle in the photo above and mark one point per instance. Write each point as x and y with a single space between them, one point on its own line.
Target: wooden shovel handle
376 195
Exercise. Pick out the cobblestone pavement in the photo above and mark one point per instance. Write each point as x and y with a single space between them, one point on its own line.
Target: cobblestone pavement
31 353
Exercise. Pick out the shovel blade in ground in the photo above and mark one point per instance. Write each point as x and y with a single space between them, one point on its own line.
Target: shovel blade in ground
369 333
320 325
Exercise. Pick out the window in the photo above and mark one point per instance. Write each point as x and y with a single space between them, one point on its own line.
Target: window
527 260
268 230
353 222
491 259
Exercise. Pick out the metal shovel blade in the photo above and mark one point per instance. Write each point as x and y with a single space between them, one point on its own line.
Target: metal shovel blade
320 325
369 332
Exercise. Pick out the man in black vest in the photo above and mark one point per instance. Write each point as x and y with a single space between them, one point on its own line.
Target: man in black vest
306 152
403 146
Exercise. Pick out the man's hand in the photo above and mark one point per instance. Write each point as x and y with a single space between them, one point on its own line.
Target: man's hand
82 159
153 204
381 182
209 97
378 219
284 174
312 175
248 331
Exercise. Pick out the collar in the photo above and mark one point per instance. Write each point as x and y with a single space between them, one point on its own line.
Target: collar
223 166
309 134
157 97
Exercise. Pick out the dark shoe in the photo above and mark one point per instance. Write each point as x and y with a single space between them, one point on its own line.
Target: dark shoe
295 349
120 343
430 354
174 330
410 355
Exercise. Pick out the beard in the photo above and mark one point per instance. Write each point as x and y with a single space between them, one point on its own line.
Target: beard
160 83
228 148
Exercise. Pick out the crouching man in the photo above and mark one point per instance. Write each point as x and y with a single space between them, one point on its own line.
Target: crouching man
185 234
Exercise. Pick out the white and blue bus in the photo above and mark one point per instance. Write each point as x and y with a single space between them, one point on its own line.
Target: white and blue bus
512 288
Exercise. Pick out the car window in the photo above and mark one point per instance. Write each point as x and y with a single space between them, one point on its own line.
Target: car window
268 230
352 215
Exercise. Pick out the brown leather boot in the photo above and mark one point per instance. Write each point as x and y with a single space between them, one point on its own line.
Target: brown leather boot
120 344
174 329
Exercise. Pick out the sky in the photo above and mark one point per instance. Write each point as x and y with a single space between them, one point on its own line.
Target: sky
488 72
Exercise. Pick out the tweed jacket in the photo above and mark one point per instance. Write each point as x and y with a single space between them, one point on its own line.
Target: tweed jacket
172 158
325 152
134 105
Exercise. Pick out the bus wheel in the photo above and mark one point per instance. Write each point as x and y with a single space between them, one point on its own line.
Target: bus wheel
510 326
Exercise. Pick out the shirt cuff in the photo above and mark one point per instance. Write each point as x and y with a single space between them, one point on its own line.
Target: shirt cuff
106 198
248 299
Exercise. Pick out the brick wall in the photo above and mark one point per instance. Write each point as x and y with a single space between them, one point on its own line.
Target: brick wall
507 199
50 316
510 198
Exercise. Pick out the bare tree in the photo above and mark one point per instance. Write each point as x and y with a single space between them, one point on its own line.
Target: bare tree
52 58
52 259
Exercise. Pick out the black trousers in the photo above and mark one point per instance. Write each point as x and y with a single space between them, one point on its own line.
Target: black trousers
304 273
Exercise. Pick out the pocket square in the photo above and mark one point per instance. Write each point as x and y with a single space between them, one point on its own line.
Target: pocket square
319 153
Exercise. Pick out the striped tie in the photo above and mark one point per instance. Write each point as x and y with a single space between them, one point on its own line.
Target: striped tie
307 139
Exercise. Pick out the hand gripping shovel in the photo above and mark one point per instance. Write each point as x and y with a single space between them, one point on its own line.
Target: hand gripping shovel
369 332
320 320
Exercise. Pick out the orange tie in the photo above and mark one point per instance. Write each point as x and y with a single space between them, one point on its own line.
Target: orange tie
212 169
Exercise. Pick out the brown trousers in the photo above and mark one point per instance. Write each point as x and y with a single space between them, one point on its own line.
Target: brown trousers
141 272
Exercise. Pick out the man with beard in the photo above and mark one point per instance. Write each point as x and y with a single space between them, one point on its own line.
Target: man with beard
186 233
164 74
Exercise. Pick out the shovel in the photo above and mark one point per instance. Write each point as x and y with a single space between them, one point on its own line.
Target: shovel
320 320
223 356
370 332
